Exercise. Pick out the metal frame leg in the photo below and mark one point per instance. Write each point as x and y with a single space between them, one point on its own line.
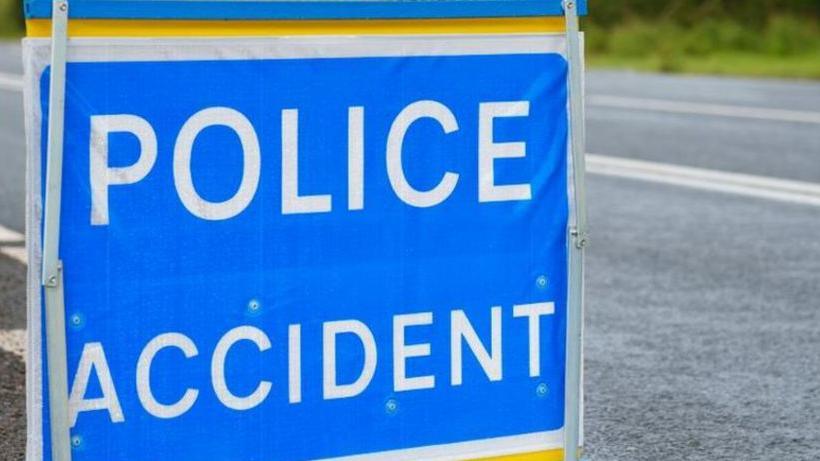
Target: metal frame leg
52 271
578 236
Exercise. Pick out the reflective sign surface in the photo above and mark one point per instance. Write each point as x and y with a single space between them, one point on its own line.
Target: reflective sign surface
310 251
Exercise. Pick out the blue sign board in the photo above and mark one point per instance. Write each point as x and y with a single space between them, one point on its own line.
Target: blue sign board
306 255
301 9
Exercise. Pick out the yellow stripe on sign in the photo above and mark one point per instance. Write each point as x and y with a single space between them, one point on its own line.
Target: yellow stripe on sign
192 28
551 455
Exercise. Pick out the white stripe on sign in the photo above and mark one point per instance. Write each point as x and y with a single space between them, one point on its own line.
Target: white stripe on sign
12 244
495 447
719 110
11 82
783 190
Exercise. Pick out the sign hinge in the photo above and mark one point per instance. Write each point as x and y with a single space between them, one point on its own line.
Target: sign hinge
52 279
579 238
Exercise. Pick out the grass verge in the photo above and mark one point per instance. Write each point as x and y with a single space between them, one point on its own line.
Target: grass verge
786 46
803 66
11 19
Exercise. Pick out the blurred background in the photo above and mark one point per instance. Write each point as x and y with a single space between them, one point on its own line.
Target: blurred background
11 19
703 277
778 38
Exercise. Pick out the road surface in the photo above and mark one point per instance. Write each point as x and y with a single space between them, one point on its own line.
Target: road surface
703 282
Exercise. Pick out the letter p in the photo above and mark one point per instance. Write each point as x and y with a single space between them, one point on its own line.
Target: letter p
102 175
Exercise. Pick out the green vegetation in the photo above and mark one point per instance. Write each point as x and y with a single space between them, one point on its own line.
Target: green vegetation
749 37
11 18
779 38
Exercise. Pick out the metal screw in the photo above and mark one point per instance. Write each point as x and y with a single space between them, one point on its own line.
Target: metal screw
391 406
570 5
541 281
63 6
76 441
75 319
541 390
253 305
52 281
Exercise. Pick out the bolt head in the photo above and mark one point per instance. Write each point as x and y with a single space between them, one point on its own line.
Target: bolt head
63 6
542 390
391 406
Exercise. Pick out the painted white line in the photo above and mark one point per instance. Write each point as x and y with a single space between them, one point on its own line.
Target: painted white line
11 82
696 108
14 341
783 190
13 244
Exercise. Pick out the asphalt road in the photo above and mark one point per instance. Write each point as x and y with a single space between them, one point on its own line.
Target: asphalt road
703 307
765 147
12 142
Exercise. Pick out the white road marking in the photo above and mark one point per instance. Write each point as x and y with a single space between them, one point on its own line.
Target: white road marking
14 341
783 190
11 82
13 244
696 108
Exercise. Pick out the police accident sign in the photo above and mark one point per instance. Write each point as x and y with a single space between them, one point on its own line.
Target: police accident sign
307 248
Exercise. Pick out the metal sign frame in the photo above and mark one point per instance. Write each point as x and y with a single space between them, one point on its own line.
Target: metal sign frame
578 237
52 270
